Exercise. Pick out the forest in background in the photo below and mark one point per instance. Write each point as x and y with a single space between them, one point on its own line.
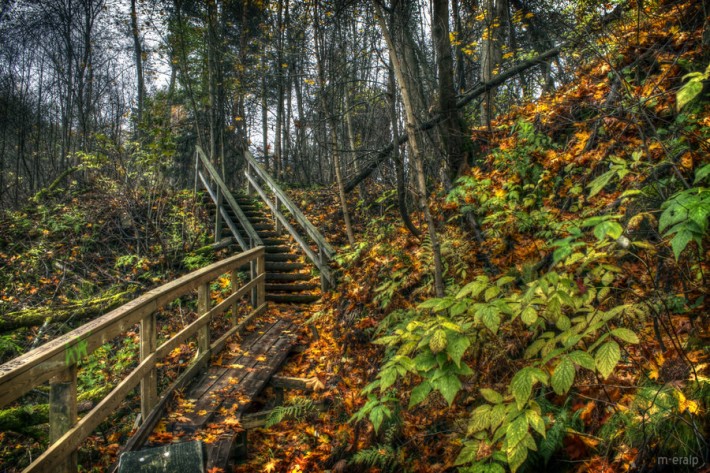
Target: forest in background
518 190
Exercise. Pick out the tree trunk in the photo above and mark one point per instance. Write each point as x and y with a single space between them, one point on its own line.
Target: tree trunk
330 115
451 128
398 162
264 116
138 53
416 150
491 54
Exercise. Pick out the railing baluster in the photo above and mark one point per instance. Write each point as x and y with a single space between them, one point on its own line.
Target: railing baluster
149 384
324 283
218 217
203 306
63 412
277 204
248 184
261 285
253 268
235 288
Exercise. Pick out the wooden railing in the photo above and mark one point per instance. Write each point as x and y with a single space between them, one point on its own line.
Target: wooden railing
57 360
325 252
219 192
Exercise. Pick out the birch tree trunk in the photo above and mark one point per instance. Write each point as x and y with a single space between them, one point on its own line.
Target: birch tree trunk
414 143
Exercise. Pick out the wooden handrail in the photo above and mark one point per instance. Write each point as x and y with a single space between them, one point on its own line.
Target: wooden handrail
56 361
224 192
325 250
310 229
315 258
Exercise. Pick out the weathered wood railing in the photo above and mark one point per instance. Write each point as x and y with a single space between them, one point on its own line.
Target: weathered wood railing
325 252
219 193
57 360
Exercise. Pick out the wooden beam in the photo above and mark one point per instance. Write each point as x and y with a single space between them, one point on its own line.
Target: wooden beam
242 243
149 384
63 413
288 382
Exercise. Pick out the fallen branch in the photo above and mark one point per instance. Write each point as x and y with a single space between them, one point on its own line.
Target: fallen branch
54 185
477 91
211 248
75 311
22 419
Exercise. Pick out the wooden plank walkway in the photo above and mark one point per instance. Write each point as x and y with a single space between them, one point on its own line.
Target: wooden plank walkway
211 408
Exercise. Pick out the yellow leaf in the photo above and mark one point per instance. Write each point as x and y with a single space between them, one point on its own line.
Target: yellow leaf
315 384
684 404
270 466
231 421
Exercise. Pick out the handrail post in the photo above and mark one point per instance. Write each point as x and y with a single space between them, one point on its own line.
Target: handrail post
248 184
63 412
324 283
277 204
203 306
253 272
218 217
197 169
149 384
234 276
261 285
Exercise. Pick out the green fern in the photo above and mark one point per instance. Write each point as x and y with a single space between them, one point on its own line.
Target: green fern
296 409
383 457
564 420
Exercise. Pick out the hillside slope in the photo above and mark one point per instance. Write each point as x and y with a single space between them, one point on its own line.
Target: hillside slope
574 335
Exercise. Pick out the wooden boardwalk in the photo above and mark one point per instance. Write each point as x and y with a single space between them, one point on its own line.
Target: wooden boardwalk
210 410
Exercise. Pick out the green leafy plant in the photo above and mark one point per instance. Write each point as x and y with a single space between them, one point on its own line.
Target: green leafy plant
691 89
376 409
296 409
383 457
685 214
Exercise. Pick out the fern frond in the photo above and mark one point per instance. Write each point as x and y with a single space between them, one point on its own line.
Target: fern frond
297 409
383 457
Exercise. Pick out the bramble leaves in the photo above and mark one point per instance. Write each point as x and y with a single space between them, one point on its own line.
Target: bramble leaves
606 358
563 376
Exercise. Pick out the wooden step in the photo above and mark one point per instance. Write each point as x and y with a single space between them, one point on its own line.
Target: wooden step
270 234
293 287
248 202
272 241
282 257
252 218
287 277
292 298
276 266
278 249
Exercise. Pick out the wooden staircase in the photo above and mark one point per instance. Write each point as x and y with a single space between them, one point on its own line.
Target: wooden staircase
288 278
265 216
